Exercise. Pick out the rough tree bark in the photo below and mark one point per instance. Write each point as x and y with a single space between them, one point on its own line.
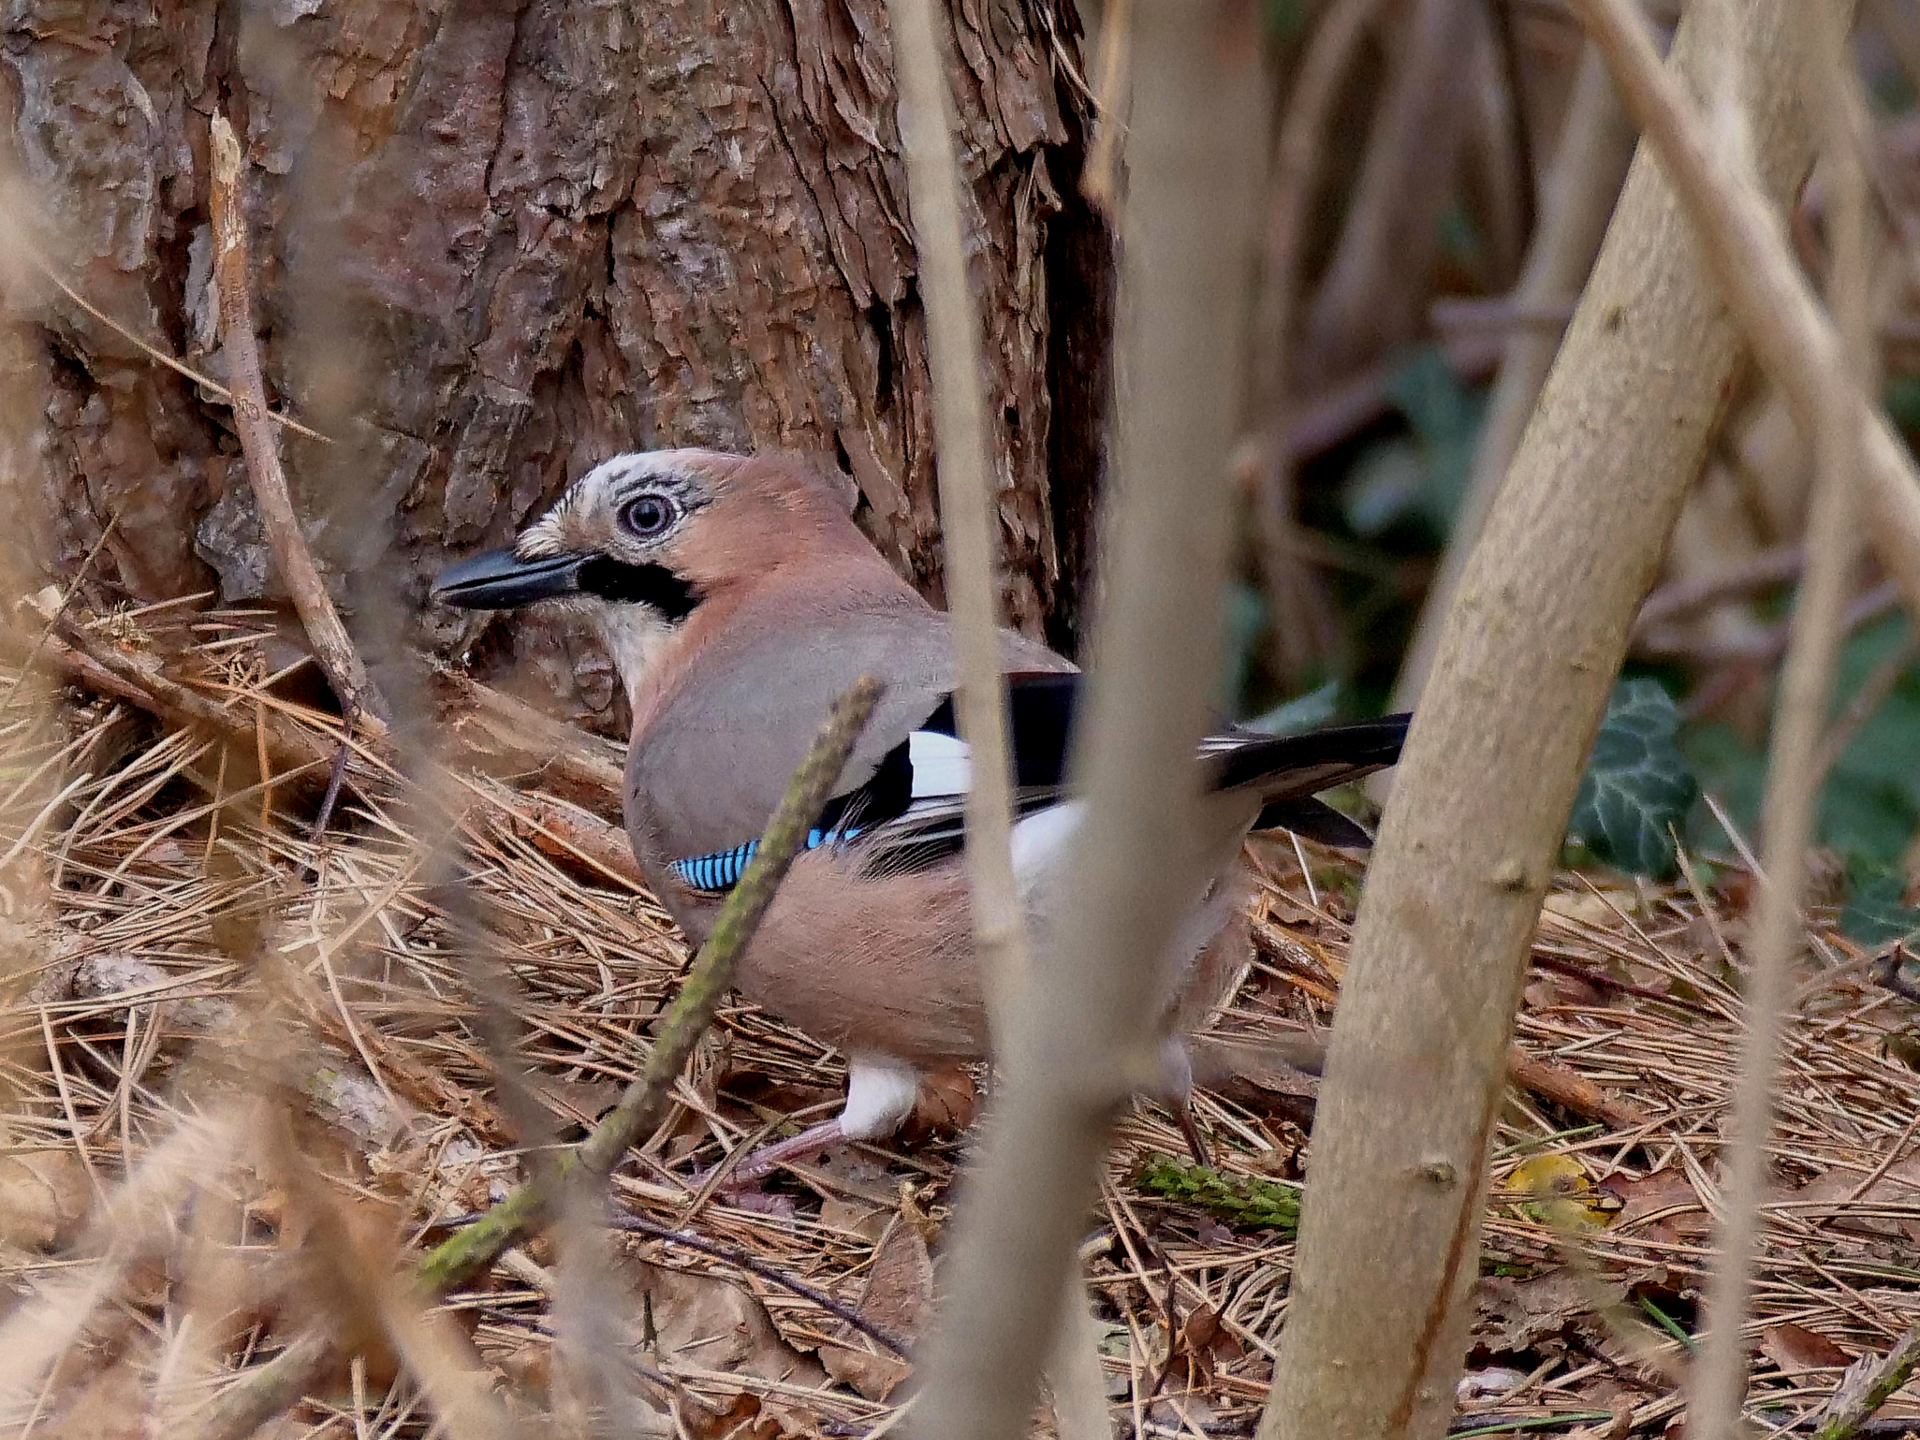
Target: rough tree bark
498 240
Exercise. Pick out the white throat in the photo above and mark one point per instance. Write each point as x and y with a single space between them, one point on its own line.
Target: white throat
634 636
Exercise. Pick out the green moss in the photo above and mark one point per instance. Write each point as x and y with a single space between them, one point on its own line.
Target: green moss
1236 1199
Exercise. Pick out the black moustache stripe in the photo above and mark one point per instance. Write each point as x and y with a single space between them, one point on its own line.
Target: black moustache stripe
653 585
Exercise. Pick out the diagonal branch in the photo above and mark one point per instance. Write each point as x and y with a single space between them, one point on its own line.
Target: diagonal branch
345 671
1747 248
264 1392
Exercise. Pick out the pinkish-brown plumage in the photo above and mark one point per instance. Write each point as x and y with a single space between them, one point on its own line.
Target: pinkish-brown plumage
739 600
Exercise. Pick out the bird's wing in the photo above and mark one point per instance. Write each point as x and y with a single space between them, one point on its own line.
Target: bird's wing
1283 772
706 775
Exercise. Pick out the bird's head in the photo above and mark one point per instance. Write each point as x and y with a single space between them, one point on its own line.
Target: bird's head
640 541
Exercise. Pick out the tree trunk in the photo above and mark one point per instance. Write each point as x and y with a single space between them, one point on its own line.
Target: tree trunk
500 241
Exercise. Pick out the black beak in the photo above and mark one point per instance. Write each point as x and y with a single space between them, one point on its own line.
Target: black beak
500 580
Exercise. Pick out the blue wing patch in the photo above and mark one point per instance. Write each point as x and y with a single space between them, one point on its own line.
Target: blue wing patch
721 870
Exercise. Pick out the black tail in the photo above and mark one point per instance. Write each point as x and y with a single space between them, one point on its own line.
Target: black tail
1288 770
1282 766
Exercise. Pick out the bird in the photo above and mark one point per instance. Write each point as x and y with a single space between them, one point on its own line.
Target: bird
738 599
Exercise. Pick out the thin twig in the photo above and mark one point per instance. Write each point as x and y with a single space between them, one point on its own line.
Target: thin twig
706 985
291 555
152 352
641 1225
243 1407
968 520
1768 292
335 777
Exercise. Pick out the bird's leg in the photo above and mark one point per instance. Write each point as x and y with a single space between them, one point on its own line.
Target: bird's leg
827 1135
1179 1097
880 1095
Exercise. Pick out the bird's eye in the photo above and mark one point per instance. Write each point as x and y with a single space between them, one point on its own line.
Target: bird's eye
649 516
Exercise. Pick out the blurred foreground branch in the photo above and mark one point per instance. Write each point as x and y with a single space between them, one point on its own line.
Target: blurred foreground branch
969 525
1596 144
249 1403
1803 349
1752 262
1526 659
1084 1039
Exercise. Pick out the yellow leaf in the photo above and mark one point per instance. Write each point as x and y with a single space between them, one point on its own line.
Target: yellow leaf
1559 1194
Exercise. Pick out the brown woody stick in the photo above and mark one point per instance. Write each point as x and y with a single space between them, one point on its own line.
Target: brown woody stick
270 1388
1417 1061
331 644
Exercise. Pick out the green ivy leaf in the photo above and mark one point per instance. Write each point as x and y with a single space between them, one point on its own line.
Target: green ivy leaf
1877 913
1638 787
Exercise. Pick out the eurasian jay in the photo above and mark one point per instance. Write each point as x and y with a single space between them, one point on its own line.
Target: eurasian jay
738 599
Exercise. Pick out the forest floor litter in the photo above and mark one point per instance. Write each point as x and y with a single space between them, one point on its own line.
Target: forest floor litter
251 1069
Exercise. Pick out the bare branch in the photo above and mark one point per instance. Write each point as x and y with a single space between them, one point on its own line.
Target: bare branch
1595 146
1751 259
331 644
1083 1040
1526 658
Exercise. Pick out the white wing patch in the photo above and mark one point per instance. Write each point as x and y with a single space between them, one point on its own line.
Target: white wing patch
880 1094
942 765
1040 839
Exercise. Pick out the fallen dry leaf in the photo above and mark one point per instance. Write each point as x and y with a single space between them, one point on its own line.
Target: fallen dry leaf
945 1104
897 1297
1661 1206
44 1198
1516 1315
1794 1348
1899 1186
740 1419
713 1323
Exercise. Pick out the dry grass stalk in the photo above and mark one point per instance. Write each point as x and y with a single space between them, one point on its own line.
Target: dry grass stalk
1526 659
291 554
1083 1039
